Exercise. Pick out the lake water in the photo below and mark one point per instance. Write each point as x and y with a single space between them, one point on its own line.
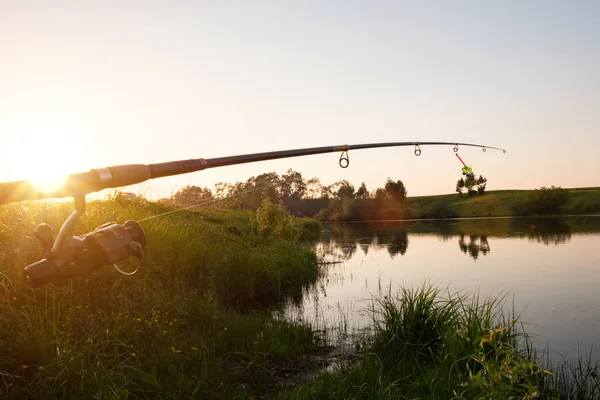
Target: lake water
549 268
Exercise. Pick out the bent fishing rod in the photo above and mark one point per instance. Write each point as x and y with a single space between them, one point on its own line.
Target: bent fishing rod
68 256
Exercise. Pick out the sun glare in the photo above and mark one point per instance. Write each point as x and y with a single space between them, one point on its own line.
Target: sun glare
49 184
43 148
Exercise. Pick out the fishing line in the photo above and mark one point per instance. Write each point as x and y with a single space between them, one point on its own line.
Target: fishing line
69 255
205 203
116 267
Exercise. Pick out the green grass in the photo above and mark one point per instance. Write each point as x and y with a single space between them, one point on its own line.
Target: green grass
309 228
193 322
500 203
438 209
196 321
433 345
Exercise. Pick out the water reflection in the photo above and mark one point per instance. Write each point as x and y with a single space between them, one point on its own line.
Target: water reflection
476 245
547 231
332 250
396 241
548 266
341 242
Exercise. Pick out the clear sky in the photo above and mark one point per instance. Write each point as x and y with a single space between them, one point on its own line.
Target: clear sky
87 84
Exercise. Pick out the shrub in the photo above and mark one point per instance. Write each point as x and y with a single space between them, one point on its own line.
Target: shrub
584 206
545 200
309 228
273 220
439 209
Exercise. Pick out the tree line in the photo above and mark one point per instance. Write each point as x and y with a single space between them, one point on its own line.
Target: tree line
310 197
340 200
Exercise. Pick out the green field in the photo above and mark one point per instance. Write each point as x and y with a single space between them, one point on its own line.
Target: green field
499 203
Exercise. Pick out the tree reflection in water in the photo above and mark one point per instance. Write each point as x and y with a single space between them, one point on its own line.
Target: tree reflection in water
477 244
365 244
548 231
396 242
332 250
341 242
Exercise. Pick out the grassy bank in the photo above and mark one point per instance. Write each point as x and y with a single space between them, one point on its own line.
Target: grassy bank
191 323
500 203
431 345
195 321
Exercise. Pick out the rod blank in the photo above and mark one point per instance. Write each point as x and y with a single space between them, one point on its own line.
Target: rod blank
124 175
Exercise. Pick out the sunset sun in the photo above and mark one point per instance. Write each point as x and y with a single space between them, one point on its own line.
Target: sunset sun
43 148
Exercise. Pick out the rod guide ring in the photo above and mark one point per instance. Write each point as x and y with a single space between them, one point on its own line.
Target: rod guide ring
344 160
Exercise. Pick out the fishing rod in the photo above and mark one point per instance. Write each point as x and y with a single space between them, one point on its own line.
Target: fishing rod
68 256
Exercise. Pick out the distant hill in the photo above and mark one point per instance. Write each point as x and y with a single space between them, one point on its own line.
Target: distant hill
498 203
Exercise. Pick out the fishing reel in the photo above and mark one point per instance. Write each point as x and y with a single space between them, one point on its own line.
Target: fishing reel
68 256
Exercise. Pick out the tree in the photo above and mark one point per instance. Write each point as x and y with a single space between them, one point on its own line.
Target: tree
345 189
251 193
191 195
380 194
313 188
481 183
266 186
470 182
362 192
223 190
326 191
396 190
292 184
460 185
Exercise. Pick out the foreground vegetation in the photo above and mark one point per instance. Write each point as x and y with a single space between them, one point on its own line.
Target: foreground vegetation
429 345
193 322
196 321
